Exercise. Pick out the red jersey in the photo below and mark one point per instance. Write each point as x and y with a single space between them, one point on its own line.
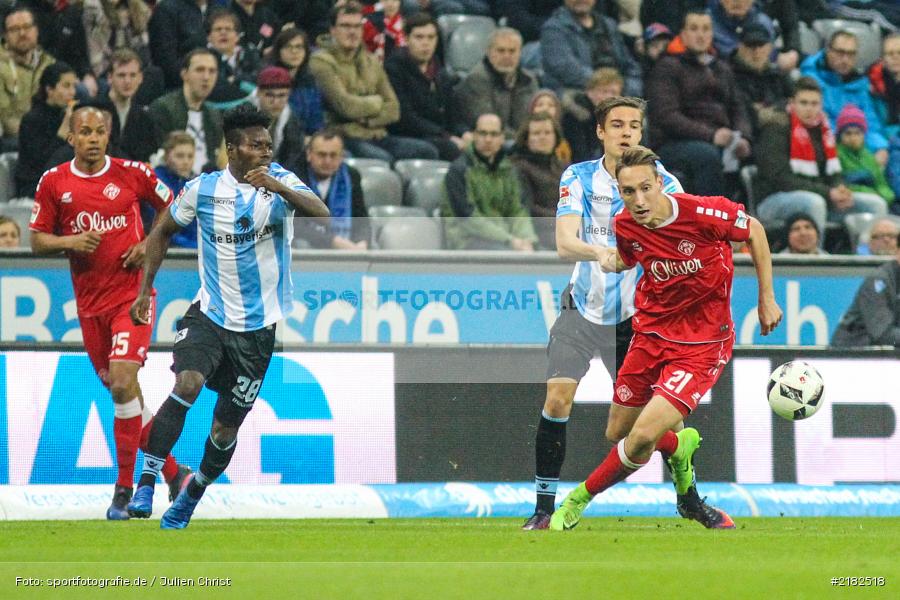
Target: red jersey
684 294
69 202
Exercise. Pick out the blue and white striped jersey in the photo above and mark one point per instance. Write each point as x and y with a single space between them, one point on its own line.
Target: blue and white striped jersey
587 189
244 247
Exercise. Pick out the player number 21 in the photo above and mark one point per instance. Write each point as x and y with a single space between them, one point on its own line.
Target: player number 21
120 344
678 376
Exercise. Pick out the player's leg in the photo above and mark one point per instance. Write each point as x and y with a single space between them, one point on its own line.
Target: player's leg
247 357
175 475
626 457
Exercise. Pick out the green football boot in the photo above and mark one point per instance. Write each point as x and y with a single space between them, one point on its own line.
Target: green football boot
569 512
681 466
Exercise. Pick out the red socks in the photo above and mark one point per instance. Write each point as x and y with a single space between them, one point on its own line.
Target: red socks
614 468
668 443
127 433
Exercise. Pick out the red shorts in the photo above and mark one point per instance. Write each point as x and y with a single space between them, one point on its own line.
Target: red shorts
113 337
681 373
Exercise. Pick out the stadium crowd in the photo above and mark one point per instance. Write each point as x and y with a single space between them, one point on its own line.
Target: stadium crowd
468 111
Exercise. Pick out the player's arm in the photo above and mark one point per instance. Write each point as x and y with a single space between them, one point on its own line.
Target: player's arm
569 246
768 310
155 252
611 261
304 201
43 244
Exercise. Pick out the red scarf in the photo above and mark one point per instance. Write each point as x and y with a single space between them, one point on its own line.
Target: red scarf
803 154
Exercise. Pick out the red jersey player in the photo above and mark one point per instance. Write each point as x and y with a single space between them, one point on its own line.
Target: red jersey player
89 209
683 332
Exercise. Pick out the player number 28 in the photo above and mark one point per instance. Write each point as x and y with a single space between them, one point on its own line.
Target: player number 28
120 344
678 380
246 389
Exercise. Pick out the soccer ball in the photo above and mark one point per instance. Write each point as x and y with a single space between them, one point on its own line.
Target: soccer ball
795 390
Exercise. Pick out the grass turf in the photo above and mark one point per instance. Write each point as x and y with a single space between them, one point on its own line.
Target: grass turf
458 558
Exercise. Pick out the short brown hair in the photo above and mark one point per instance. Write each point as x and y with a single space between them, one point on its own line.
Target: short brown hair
806 84
124 56
638 156
4 220
328 133
604 76
177 138
603 109
351 7
522 133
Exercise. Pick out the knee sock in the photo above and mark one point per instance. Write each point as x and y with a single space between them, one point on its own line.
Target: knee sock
170 466
215 459
167 426
549 454
667 444
127 433
614 468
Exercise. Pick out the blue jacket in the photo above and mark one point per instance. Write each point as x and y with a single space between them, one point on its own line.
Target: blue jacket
893 166
187 237
725 28
566 52
838 93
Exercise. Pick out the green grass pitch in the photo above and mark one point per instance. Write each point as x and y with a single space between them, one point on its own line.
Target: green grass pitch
458 558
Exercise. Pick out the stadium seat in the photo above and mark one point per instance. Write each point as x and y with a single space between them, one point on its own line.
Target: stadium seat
810 42
450 23
411 168
410 234
8 162
19 210
426 191
748 173
468 44
381 186
858 226
868 34
379 216
361 163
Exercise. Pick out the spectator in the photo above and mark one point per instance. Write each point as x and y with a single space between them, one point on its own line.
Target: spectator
874 317
884 80
835 70
61 33
424 90
112 25
579 124
652 45
22 62
259 23
881 239
291 51
448 7
497 85
730 17
799 169
539 170
10 233
46 125
861 172
176 27
310 16
339 186
577 39
273 87
893 172
526 16
133 126
238 66
383 30
187 110
359 99
803 236
695 110
177 169
483 208
546 101
762 85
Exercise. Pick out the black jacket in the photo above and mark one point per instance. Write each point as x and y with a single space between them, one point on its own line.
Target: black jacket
291 153
260 28
320 236
38 140
424 103
874 317
176 27
137 138
767 89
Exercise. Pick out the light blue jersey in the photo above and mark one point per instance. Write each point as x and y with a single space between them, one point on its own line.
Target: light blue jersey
588 190
244 247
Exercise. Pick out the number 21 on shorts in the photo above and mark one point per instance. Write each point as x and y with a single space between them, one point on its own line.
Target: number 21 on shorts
678 380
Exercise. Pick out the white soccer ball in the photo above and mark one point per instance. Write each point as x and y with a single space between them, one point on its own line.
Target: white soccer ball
795 390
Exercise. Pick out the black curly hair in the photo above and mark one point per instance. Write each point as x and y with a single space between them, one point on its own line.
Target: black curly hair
236 120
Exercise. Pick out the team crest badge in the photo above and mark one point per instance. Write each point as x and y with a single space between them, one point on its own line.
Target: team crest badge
111 191
636 246
624 393
686 247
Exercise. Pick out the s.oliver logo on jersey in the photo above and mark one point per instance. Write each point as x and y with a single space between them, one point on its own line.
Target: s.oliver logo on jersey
94 221
111 191
241 238
664 270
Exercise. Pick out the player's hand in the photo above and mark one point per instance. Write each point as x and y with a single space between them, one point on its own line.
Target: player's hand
607 259
260 178
769 314
85 242
134 257
140 310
